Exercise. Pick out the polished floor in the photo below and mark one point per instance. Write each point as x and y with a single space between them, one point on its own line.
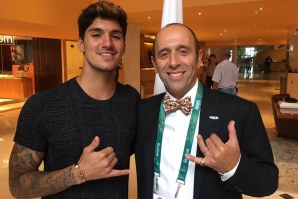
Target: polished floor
255 87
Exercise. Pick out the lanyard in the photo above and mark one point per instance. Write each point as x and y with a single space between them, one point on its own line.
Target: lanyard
188 141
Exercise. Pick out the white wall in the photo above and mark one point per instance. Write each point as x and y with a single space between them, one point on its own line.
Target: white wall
74 59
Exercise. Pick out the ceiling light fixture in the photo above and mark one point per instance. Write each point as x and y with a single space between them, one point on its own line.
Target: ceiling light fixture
150 36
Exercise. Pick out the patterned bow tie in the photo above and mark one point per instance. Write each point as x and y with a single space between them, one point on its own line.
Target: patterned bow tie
172 105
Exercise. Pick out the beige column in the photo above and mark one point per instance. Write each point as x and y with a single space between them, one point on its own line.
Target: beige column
131 58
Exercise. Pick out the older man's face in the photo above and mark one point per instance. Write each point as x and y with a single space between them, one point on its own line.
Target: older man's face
176 60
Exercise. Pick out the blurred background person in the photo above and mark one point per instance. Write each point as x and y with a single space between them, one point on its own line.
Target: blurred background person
267 63
225 75
210 70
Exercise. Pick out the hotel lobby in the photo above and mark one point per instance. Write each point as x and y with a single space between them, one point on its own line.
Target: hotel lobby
258 89
255 34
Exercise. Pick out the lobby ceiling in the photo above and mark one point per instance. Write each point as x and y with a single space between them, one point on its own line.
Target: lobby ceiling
223 21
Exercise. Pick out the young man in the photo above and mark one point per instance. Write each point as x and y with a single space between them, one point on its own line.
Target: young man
82 129
208 144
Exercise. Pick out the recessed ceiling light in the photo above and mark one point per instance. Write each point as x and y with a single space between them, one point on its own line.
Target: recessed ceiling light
220 34
258 10
199 13
149 17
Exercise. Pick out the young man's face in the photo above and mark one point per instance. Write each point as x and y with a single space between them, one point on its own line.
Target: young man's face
176 59
103 45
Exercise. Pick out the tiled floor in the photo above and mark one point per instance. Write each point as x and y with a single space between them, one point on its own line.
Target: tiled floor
258 91
9 107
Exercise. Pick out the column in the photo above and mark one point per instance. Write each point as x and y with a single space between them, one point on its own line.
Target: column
131 58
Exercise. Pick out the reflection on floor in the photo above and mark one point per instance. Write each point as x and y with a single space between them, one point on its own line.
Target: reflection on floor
6 100
259 91
260 75
10 106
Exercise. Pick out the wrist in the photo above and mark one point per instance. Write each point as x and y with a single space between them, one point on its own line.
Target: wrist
79 173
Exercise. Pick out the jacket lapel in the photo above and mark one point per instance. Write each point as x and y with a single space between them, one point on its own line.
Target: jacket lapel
211 119
151 129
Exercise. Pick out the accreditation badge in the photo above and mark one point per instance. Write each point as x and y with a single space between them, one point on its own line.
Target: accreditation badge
156 196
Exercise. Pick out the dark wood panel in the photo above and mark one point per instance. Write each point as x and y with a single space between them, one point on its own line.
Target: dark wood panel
48 63
5 58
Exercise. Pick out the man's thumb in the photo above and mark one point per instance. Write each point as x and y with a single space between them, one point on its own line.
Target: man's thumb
232 131
95 143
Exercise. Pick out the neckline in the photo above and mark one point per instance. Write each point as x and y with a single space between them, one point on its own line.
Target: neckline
85 95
